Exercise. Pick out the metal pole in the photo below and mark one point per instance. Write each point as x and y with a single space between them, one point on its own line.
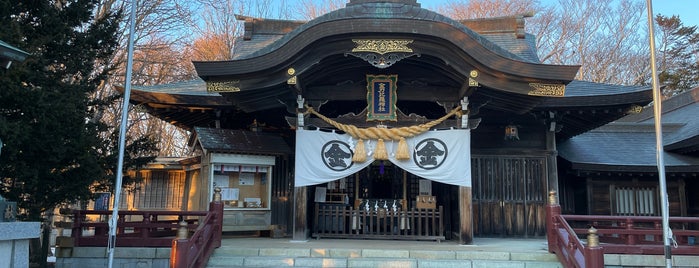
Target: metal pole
122 137
657 111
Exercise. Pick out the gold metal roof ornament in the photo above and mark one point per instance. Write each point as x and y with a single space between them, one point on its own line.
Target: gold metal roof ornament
548 90
227 86
382 53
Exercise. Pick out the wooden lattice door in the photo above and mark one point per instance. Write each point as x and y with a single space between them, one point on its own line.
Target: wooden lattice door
509 195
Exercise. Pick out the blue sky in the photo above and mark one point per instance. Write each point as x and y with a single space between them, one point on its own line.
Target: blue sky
686 9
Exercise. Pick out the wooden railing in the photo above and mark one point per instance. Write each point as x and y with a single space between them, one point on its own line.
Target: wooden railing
194 252
639 234
134 228
613 235
157 229
346 222
566 243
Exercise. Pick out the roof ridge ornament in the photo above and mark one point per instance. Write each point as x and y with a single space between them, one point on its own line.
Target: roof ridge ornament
382 53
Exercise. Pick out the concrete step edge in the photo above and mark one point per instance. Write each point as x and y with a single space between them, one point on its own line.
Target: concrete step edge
260 261
401 253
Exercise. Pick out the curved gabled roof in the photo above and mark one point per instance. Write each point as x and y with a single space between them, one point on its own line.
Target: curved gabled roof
376 11
509 77
386 18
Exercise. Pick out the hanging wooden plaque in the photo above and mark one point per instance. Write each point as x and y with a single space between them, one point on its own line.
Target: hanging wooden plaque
381 97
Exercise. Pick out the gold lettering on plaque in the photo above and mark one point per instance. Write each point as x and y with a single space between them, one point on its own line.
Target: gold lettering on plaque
382 46
228 86
550 90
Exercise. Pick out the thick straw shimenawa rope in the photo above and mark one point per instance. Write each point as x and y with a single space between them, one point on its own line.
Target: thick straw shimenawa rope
381 134
375 133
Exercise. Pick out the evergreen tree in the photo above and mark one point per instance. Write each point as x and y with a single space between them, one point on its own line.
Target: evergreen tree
54 152
679 55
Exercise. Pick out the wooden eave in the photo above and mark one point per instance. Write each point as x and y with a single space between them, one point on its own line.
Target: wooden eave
199 101
182 110
579 114
639 97
442 69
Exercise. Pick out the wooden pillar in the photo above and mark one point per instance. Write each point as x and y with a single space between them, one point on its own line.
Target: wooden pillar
551 161
300 214
405 189
466 215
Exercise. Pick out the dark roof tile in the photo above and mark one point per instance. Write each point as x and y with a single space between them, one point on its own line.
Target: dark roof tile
267 43
628 150
680 109
241 141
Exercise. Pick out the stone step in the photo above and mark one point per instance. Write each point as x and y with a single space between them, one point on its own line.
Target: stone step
251 261
352 257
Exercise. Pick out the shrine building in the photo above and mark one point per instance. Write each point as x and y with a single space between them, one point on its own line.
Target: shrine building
385 120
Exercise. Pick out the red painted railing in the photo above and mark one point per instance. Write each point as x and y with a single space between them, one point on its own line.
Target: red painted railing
194 252
613 235
134 228
157 229
565 242
639 234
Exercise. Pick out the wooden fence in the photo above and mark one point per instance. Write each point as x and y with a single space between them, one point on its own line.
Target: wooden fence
346 222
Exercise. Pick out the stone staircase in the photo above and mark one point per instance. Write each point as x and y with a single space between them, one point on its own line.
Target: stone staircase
384 254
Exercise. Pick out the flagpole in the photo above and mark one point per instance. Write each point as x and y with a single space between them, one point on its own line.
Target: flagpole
657 111
111 242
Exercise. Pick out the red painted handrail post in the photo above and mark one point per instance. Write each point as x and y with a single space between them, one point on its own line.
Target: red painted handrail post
631 238
180 246
77 230
216 207
553 210
121 219
594 253
145 231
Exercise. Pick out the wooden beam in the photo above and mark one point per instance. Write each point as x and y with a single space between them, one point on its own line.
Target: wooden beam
300 212
466 215
353 92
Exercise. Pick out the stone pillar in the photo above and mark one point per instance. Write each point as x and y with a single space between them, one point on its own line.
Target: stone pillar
14 242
